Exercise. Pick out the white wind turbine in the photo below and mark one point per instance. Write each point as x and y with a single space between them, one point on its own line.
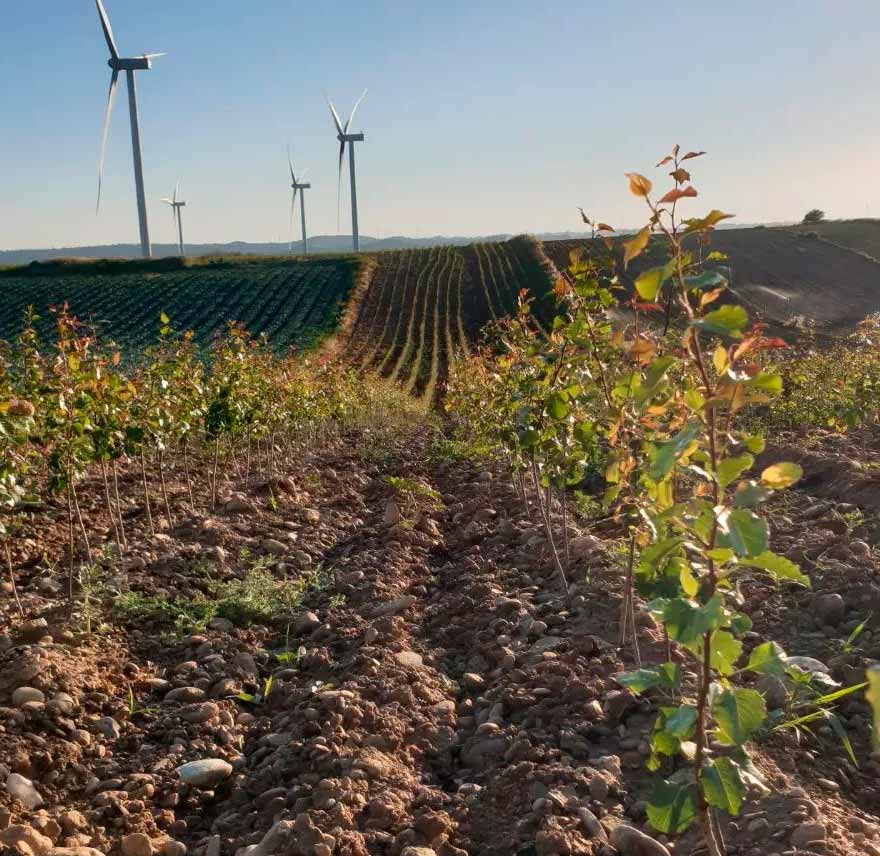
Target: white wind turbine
298 185
129 66
176 204
344 137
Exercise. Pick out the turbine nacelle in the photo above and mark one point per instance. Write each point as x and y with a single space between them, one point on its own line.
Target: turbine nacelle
135 63
297 186
350 138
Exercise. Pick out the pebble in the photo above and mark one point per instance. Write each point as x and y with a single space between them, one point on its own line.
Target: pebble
409 658
206 773
632 842
137 844
24 791
808 833
23 695
274 547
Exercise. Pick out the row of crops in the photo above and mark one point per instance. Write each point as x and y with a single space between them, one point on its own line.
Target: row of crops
423 307
292 303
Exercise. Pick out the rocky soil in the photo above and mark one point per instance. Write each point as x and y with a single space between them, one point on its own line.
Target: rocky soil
388 673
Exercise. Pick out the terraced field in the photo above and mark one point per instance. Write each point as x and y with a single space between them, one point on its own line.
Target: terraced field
295 303
424 306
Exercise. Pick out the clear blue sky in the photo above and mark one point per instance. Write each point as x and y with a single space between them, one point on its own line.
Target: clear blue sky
482 117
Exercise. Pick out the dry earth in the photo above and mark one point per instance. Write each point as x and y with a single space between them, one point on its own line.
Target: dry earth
432 694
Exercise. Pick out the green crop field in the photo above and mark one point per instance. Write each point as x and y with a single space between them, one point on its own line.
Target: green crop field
424 307
293 302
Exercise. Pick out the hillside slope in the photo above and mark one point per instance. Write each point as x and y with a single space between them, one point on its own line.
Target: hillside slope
787 277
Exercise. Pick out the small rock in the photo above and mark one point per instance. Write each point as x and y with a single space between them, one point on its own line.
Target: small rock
24 791
199 713
418 851
206 773
392 514
305 623
23 695
221 625
829 608
774 691
409 658
185 694
137 844
274 547
633 842
395 606
109 727
23 839
311 515
808 833
238 505
173 848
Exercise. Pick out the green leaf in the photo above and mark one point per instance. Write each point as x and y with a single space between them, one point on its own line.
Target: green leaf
557 405
672 807
731 469
840 731
781 476
728 320
665 455
704 281
744 531
163 318
649 283
725 649
872 694
667 676
739 713
750 494
778 567
754 443
686 622
768 659
723 786
770 382
680 721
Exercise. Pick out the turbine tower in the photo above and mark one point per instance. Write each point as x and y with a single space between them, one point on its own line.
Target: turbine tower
298 185
344 136
129 66
176 204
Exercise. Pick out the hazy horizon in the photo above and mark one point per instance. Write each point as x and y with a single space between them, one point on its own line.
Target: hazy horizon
559 114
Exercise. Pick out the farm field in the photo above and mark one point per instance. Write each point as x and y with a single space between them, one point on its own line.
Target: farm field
862 235
294 303
787 277
423 307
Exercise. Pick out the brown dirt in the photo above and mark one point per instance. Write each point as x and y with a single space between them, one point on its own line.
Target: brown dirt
438 692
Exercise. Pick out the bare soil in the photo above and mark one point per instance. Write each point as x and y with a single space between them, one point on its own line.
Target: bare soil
431 694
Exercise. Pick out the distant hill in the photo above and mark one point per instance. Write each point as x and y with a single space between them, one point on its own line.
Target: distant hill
318 244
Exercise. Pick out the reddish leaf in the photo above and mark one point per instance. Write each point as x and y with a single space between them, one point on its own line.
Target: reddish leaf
604 227
676 150
665 160
690 155
648 307
681 175
678 193
638 184
584 216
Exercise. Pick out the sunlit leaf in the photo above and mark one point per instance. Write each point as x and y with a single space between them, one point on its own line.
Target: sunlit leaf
768 659
739 713
690 155
638 184
778 567
677 193
636 245
781 476
743 531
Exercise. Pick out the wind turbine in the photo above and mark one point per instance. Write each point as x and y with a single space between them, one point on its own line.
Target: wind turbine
129 66
176 204
344 137
298 185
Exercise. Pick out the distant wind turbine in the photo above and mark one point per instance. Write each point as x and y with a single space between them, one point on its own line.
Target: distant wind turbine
129 66
344 137
176 204
298 185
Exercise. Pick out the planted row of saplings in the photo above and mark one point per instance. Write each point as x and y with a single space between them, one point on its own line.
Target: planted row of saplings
657 417
71 413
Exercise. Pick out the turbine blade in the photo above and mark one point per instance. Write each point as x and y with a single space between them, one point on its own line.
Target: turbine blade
108 32
290 164
176 190
339 186
167 201
353 110
154 56
114 80
292 219
336 118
